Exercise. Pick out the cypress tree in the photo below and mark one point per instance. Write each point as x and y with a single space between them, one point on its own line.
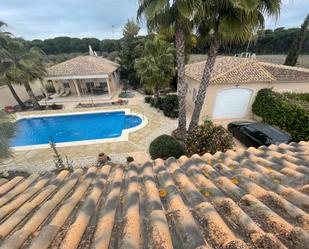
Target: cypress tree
294 52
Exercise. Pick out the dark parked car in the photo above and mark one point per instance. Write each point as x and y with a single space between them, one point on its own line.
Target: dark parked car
257 134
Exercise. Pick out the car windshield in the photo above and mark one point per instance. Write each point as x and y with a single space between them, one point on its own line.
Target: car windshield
264 131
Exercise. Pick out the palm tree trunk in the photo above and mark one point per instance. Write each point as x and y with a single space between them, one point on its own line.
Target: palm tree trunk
33 99
16 97
181 83
199 101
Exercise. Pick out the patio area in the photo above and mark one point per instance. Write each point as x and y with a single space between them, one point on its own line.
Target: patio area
75 99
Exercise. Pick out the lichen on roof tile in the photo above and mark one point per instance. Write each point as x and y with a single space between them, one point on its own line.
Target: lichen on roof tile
254 198
236 70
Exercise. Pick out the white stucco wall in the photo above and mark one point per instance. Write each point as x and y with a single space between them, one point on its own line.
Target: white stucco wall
213 90
6 97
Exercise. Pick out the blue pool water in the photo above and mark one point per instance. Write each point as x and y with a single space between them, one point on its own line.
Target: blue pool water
70 128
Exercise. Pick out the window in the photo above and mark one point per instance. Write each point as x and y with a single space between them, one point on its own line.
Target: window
89 86
103 84
66 84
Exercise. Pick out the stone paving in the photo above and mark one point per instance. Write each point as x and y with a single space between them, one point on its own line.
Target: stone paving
85 155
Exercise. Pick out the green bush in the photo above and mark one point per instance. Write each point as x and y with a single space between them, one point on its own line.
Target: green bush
130 159
166 146
170 106
152 102
158 103
148 99
208 138
49 87
298 96
277 110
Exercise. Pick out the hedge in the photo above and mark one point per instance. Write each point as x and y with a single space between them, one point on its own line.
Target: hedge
166 146
298 96
167 104
276 109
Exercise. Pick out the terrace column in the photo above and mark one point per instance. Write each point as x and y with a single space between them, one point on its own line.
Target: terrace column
109 86
77 88
43 87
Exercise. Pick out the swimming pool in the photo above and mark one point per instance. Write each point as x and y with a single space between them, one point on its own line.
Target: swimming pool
74 129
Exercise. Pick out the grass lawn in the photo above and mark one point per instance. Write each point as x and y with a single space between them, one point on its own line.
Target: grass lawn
303 60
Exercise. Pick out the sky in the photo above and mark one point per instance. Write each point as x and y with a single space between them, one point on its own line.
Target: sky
42 19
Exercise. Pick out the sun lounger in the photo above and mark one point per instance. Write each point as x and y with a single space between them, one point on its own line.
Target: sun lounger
61 91
66 92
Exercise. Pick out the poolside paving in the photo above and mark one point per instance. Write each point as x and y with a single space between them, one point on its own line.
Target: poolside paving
85 155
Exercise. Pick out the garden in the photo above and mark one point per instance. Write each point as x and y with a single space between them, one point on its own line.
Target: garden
205 138
168 104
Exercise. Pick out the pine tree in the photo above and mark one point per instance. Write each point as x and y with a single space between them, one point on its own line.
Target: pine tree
294 52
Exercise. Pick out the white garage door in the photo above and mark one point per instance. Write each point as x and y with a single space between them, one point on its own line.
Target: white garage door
232 103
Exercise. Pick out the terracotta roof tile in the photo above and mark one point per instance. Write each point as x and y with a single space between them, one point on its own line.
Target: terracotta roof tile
286 73
235 70
254 198
83 65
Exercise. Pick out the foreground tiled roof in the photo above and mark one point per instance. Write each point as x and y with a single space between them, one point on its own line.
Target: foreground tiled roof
231 70
82 65
255 198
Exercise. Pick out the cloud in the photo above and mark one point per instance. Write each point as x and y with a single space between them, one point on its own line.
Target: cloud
41 19
292 14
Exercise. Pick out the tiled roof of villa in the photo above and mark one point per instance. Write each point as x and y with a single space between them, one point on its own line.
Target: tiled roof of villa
231 70
83 65
286 73
254 198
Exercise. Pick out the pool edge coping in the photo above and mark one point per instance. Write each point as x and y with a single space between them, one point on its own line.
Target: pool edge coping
124 137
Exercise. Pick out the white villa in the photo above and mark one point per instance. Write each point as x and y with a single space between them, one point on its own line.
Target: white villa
84 76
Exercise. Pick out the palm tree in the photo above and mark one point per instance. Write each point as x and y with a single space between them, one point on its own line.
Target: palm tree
292 57
176 14
23 65
156 67
228 21
4 39
7 130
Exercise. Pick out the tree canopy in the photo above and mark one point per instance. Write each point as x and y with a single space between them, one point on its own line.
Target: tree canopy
297 45
277 41
156 67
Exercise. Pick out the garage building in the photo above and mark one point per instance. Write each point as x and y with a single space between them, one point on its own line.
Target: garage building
235 82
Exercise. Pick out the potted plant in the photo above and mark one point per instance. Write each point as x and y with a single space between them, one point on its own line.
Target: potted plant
9 109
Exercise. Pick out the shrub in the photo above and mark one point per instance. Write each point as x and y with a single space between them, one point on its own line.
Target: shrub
49 87
159 103
166 146
147 99
130 159
208 138
298 96
152 102
276 109
171 114
170 106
